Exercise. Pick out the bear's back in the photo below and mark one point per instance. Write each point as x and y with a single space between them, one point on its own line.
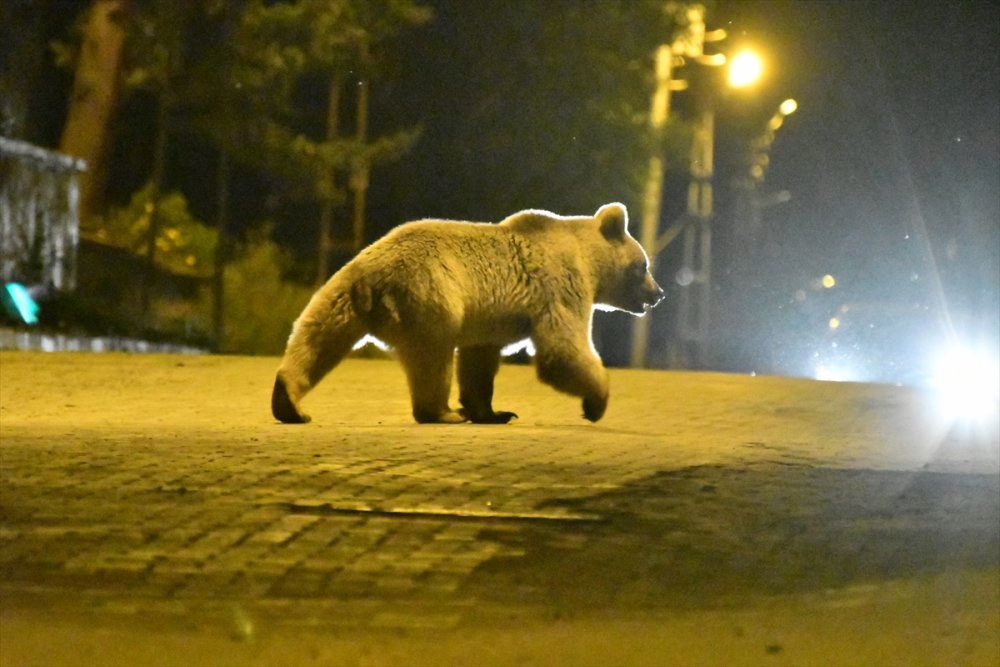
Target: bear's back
425 244
483 262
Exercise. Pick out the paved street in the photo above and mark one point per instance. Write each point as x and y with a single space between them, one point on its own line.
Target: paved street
152 512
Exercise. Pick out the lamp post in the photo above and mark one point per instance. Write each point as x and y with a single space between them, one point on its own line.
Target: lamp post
653 195
695 225
750 202
695 273
747 219
688 44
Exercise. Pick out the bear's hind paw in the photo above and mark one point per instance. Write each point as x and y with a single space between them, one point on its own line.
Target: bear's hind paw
447 417
282 406
490 417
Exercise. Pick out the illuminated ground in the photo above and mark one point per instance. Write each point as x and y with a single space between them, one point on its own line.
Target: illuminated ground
153 513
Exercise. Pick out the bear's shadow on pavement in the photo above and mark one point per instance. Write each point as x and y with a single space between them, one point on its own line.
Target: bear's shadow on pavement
716 535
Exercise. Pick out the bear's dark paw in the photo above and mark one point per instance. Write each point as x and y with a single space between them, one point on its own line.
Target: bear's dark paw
493 417
594 407
282 407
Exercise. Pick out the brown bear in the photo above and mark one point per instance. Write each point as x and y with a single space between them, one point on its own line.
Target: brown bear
431 286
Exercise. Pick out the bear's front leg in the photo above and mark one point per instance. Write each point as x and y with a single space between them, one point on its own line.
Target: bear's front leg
477 366
428 372
566 360
579 376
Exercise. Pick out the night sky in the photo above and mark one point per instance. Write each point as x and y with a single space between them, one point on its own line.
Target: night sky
893 160
897 132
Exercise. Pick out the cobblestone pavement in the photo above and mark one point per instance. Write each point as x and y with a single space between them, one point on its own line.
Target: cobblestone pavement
159 486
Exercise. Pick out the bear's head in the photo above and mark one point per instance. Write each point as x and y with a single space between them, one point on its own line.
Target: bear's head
624 281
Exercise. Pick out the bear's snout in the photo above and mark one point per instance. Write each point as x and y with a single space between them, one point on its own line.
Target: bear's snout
654 293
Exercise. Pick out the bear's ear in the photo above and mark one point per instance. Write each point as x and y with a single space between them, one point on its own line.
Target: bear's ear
613 220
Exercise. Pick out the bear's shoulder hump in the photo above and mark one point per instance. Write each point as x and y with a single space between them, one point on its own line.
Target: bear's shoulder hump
529 220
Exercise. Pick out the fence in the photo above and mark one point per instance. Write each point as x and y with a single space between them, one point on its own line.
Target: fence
39 215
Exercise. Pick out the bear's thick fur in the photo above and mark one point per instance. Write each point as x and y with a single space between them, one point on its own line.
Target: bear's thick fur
432 286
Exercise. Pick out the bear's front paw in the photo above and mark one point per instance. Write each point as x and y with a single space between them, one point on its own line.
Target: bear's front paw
594 407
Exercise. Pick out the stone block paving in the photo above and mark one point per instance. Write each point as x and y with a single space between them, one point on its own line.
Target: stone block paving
161 484
370 525
354 529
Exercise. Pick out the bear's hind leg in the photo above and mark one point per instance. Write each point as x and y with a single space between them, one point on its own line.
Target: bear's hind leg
428 372
477 366
322 336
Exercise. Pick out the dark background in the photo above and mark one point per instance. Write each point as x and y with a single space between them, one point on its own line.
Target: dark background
891 160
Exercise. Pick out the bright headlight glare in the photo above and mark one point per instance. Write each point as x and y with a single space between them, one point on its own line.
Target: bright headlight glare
834 373
968 382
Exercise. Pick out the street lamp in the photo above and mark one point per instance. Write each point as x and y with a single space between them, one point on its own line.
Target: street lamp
744 267
695 274
788 107
762 144
745 69
687 44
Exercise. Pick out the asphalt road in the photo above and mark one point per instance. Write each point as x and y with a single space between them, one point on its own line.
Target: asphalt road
152 512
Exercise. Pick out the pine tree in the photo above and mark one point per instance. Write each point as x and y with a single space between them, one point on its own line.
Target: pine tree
284 47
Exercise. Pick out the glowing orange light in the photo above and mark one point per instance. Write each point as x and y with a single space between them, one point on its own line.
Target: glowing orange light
744 69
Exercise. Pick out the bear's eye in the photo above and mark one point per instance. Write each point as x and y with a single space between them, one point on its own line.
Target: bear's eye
637 271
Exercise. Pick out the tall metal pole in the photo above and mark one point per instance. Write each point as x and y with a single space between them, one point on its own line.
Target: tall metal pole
695 225
696 269
652 199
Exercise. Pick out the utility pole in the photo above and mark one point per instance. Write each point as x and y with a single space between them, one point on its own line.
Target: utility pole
653 196
695 275
688 44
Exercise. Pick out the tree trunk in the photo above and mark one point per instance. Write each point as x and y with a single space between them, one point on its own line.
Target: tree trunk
94 101
327 210
157 179
221 250
360 173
